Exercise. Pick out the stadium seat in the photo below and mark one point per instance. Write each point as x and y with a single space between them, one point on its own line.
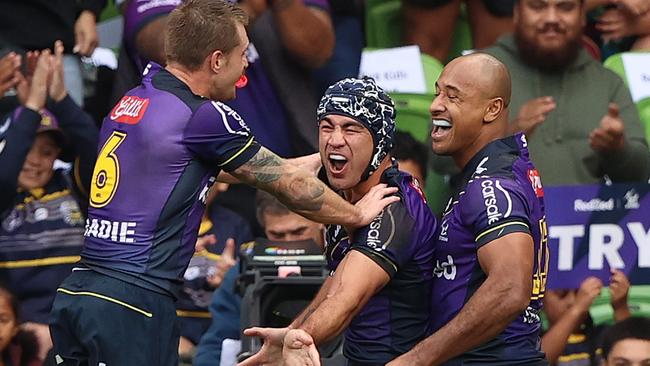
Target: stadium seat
638 300
384 27
383 23
643 106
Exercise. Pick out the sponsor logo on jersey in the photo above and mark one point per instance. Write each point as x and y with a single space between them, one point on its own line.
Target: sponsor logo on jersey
416 185
443 231
445 269
129 110
536 182
480 169
373 239
491 203
224 110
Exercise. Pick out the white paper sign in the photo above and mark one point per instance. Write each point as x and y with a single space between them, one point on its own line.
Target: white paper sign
395 69
229 350
637 69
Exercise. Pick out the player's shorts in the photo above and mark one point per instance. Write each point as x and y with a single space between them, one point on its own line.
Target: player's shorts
100 320
498 8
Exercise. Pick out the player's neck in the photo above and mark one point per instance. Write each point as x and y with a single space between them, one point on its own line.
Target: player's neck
495 131
193 79
357 192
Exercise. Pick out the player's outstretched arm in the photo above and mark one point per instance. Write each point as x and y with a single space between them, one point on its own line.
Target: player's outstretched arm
305 194
344 297
508 264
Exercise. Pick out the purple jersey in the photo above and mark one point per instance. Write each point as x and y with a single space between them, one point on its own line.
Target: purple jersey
401 241
501 194
160 148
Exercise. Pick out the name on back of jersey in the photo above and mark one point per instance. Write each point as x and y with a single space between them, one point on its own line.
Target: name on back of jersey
116 231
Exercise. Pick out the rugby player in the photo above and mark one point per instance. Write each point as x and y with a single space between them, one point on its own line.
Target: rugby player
160 148
491 256
380 281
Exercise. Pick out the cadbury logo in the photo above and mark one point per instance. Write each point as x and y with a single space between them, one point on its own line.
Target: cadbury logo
129 110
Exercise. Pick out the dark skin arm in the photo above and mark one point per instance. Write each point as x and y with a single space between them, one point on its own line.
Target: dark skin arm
306 32
508 264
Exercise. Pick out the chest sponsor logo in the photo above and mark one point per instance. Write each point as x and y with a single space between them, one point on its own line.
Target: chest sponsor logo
446 270
536 182
489 190
129 110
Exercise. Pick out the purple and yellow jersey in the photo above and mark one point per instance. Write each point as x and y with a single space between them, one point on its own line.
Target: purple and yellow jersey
159 150
501 193
401 241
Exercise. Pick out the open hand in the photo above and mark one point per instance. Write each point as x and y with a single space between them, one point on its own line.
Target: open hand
271 352
532 114
609 136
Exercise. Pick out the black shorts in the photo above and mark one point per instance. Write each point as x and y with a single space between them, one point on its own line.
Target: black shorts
100 320
498 8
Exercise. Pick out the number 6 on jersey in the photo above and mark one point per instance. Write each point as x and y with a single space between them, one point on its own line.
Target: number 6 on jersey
106 175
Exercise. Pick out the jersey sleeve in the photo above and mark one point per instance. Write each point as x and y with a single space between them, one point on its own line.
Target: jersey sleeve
218 135
495 207
388 238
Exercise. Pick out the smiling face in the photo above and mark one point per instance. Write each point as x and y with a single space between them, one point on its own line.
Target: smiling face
548 31
37 168
231 66
346 147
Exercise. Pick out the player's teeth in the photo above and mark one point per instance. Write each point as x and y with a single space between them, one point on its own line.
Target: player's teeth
440 123
338 157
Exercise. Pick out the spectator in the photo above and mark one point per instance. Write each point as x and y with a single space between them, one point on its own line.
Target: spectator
594 131
627 21
279 224
41 208
17 348
572 338
220 234
430 23
411 155
628 343
73 22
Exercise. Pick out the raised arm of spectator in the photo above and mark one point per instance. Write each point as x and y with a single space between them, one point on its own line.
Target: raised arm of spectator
619 141
555 339
18 131
508 264
85 27
306 31
77 124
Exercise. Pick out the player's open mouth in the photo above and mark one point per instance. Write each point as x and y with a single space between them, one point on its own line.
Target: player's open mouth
337 162
440 127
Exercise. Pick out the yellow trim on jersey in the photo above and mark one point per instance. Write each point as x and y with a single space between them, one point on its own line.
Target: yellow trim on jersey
238 152
193 314
107 298
573 357
501 227
576 338
38 196
206 225
51 261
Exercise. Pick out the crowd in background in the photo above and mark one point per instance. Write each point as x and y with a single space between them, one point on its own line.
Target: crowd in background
572 109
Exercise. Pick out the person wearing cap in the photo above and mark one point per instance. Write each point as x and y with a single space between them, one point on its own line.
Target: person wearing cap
42 207
380 282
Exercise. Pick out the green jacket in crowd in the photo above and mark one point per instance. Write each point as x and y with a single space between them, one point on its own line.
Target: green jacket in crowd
559 146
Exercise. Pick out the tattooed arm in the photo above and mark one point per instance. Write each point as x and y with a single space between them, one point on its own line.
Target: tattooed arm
305 194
